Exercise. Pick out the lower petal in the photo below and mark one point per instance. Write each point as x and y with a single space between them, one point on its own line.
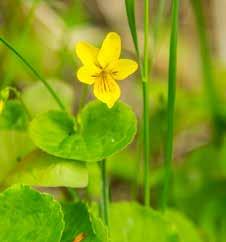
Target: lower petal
107 90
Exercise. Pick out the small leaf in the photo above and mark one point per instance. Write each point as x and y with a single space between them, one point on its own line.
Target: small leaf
80 223
134 223
41 169
27 215
13 116
101 132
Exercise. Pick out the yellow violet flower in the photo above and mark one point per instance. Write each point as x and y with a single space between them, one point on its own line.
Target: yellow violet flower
102 68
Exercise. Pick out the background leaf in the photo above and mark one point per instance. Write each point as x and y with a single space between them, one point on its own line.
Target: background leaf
27 215
41 169
13 116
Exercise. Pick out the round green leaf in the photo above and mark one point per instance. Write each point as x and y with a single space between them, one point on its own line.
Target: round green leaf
184 228
27 215
13 116
98 133
41 169
134 223
79 221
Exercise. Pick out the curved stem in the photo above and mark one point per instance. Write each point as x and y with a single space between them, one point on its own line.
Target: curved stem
105 192
146 125
171 103
60 103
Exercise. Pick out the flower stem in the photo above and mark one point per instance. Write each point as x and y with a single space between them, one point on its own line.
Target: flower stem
171 104
105 192
55 96
146 128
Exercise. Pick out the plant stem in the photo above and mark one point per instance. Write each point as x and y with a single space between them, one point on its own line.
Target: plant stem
146 128
105 192
55 96
171 103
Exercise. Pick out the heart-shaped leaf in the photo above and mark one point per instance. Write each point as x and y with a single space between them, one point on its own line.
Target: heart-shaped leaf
27 215
79 223
41 169
134 223
98 133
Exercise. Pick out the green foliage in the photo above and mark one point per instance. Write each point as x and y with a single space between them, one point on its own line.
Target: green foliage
98 133
132 222
82 222
41 169
26 215
184 228
13 116
37 98
14 145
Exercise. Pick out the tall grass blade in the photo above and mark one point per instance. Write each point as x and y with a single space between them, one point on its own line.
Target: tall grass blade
171 103
130 10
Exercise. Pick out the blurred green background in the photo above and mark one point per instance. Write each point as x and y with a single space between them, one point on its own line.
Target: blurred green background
45 33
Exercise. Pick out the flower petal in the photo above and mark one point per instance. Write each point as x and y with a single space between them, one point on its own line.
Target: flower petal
107 90
124 68
87 53
110 49
88 74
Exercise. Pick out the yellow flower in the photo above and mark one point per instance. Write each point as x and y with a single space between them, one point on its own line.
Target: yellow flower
102 68
2 104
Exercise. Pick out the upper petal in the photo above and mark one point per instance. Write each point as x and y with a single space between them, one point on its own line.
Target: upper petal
110 49
124 68
88 74
86 52
107 90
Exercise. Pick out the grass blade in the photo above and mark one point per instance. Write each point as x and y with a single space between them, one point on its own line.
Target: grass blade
171 103
130 10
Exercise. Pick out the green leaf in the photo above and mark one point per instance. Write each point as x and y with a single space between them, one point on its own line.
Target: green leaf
41 169
98 133
38 99
130 10
27 215
13 116
134 223
183 227
79 221
14 146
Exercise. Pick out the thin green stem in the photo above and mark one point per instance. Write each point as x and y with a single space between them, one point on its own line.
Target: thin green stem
53 93
146 125
171 103
105 192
